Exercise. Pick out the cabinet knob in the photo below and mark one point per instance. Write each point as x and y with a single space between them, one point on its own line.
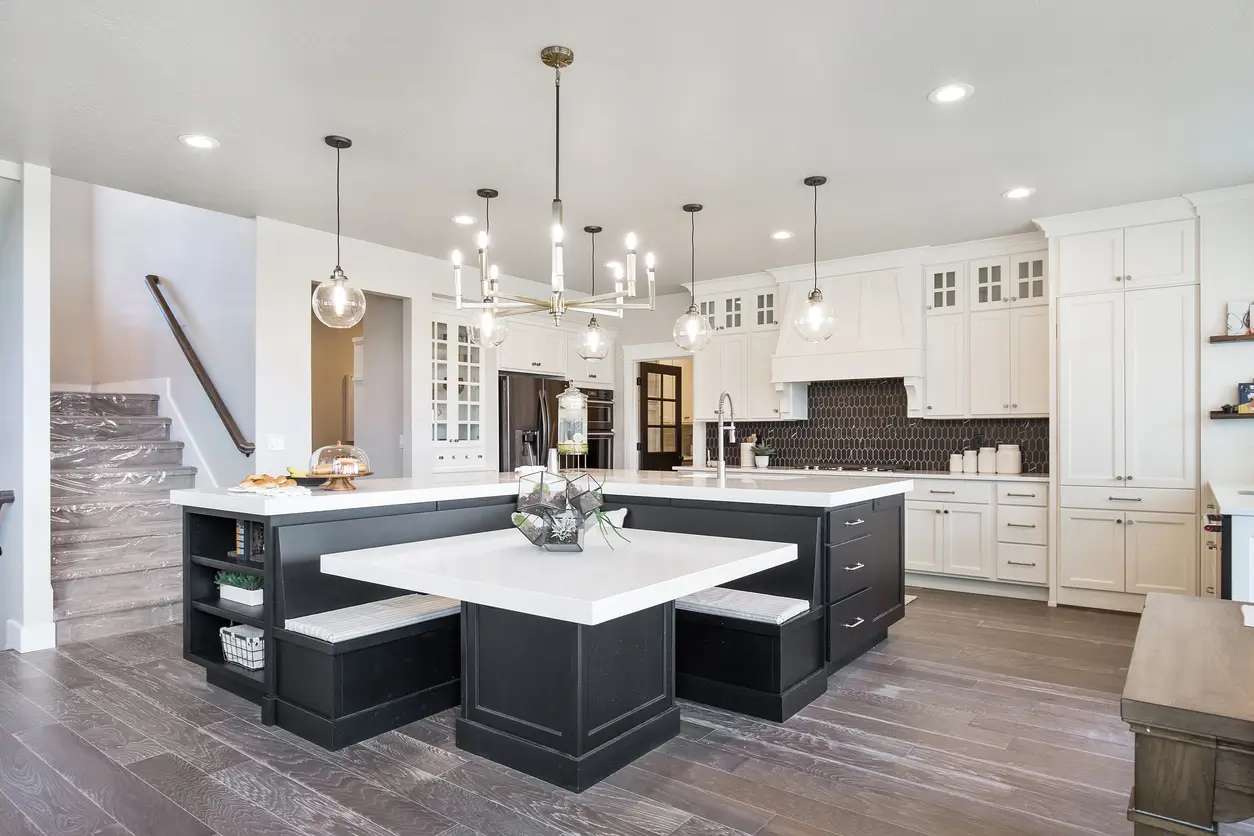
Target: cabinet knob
776 411
592 376
1014 298
938 510
1118 522
1118 278
946 510
1014 406
1131 521
1127 278
1005 406
929 407
1119 478
1129 479
929 307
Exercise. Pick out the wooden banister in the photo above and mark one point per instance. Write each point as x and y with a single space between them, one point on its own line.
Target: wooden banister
244 446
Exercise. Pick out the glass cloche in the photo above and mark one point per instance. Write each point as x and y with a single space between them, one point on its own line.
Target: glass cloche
339 460
572 422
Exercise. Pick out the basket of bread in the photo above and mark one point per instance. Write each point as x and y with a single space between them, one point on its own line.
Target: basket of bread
265 483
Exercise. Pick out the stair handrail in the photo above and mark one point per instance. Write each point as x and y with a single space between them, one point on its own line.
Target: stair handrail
198 368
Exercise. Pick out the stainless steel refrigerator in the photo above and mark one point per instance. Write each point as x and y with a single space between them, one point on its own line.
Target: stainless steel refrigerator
528 418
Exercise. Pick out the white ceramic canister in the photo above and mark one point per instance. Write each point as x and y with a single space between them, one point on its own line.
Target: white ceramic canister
969 461
955 463
1009 458
746 454
987 461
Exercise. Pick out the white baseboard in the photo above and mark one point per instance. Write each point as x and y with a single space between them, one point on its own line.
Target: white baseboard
167 408
1100 599
25 638
977 586
70 387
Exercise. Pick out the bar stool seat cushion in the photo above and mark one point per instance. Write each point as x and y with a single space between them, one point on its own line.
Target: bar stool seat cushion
750 606
375 617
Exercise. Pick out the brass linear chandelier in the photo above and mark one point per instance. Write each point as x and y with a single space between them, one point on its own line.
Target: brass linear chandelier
489 331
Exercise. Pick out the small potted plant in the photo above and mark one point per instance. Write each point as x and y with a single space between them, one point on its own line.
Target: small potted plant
762 452
239 587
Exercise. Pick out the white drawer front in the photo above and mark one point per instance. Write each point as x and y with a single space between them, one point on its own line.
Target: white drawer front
1021 524
1021 564
445 461
1131 499
951 490
1023 493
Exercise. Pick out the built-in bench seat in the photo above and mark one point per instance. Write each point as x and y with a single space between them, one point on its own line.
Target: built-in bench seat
375 617
737 603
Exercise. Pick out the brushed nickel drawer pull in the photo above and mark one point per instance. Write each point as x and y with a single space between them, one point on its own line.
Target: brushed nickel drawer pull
1019 563
855 522
931 491
1125 498
1023 495
855 567
1020 525
856 622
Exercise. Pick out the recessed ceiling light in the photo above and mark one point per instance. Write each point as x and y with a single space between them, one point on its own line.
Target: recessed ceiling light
464 220
1019 192
950 93
782 235
199 141
613 264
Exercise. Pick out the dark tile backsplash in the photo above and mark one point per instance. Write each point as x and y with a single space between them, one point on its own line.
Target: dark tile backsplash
864 422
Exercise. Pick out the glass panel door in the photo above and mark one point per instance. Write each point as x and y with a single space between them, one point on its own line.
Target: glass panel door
660 411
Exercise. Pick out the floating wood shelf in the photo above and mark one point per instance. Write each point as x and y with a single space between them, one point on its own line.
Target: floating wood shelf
253 616
1225 415
1240 338
229 565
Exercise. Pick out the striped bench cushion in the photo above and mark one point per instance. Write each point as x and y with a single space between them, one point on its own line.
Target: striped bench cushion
751 606
375 617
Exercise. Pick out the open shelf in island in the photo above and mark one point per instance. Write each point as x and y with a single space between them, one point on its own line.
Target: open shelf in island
1220 415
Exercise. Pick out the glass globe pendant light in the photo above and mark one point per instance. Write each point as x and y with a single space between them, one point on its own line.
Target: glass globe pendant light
815 321
692 330
336 303
592 343
487 329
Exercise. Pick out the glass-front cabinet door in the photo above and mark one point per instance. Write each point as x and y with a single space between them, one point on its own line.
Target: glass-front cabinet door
1028 282
733 313
764 312
456 382
989 282
709 310
945 288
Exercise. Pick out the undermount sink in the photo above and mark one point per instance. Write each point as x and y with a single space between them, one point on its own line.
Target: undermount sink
744 477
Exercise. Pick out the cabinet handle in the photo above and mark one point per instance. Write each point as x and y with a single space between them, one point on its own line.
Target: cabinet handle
1127 278
946 510
1020 525
1024 495
534 363
1019 563
1005 406
929 307
855 522
930 491
1014 406
1119 478
776 411
856 622
938 510
592 376
1211 546
1131 521
855 567
1125 498
1118 522
1118 278
929 407
1128 479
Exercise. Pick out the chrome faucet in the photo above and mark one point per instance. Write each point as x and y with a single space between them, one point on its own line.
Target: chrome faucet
731 430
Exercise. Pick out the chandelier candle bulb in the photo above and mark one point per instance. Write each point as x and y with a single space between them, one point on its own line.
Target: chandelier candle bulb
559 279
483 263
631 264
457 277
494 280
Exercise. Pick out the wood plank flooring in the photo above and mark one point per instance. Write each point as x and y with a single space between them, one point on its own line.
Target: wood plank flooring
979 716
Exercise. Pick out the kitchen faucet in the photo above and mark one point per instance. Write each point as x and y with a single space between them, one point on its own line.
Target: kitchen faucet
731 429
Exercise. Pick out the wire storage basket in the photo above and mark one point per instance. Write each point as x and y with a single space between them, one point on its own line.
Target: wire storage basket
244 645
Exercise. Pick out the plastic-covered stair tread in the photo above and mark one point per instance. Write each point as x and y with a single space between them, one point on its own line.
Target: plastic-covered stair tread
102 403
143 599
67 539
109 428
134 480
72 566
76 454
120 512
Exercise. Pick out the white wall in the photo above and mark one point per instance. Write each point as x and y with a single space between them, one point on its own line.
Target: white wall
1227 260
379 407
106 242
25 281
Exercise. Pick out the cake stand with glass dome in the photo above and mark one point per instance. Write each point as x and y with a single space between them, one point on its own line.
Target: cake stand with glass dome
572 429
339 464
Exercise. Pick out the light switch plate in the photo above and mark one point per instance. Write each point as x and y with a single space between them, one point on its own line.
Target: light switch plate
276 442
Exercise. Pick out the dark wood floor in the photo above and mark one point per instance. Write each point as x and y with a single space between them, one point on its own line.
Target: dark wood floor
977 716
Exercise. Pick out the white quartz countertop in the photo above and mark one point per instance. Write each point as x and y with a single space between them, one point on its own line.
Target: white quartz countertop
793 489
883 474
501 569
1234 500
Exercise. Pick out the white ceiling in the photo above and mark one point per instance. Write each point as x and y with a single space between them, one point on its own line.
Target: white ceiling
725 102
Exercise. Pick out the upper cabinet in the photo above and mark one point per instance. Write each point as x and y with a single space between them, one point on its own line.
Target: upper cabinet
1153 255
590 374
740 364
1028 285
536 349
988 288
740 310
946 288
457 384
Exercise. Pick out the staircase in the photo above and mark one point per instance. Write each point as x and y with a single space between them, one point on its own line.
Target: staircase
117 542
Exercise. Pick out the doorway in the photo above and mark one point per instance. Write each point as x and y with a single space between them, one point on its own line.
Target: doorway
357 384
665 422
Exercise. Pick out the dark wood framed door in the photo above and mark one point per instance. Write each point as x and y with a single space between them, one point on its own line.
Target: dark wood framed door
661 445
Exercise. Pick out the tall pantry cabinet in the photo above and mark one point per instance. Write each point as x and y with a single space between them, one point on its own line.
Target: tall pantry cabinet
1126 427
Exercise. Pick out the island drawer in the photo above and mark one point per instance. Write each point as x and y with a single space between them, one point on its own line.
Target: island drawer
850 623
849 523
951 490
1022 493
851 565
1021 524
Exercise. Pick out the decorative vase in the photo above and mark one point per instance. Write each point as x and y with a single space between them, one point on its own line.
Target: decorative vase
762 461
247 597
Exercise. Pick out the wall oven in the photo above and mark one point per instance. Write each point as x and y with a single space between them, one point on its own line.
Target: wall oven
600 428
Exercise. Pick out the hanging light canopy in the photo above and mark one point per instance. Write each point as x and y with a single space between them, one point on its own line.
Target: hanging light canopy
815 321
592 343
692 330
499 304
336 303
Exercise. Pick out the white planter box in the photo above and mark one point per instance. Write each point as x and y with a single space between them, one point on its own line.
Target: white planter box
247 597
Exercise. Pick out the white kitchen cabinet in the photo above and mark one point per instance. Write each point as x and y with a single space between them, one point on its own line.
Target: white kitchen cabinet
535 349
989 365
968 540
767 401
765 309
1091 549
1160 385
946 382
722 366
925 533
1153 255
457 383
1090 262
1029 284
1091 389
1160 254
1029 359
988 284
591 374
1158 553
731 311
945 288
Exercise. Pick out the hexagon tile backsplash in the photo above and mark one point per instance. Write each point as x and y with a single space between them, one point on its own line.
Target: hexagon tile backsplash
864 422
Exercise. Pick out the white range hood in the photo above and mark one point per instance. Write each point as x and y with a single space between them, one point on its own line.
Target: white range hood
879 330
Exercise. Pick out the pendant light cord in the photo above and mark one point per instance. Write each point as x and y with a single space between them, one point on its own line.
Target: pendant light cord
487 218
337 208
816 237
594 264
692 265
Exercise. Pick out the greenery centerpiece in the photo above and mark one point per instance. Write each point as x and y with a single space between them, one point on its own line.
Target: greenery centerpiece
762 452
554 510
240 587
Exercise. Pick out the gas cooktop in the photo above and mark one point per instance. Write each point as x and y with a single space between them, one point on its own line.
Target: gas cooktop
851 467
